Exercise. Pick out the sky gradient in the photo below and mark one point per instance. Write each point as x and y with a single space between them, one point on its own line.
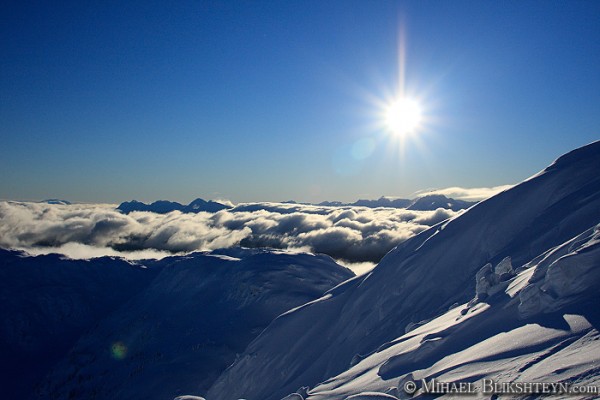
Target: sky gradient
254 101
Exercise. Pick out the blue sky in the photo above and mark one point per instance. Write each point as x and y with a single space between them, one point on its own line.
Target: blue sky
254 101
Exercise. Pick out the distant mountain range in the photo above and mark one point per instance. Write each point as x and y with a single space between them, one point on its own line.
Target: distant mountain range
164 206
424 203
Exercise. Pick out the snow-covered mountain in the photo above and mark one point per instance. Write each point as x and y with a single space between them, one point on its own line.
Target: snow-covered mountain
423 203
56 201
532 318
109 329
432 202
48 302
164 206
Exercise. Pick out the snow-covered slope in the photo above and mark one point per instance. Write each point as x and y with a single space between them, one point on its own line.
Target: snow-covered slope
539 326
421 279
108 329
48 302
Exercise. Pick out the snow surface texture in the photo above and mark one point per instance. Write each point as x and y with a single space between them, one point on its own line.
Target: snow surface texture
109 329
539 323
495 339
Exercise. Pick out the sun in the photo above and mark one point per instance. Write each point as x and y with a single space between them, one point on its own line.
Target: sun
403 116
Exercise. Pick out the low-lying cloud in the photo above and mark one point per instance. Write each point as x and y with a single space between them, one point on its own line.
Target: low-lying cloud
351 234
468 194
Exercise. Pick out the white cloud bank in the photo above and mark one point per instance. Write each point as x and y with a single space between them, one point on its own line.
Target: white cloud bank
352 234
468 194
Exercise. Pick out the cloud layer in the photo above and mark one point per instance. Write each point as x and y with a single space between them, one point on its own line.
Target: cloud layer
351 234
468 194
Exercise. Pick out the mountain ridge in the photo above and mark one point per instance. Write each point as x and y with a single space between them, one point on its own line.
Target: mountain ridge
426 202
165 206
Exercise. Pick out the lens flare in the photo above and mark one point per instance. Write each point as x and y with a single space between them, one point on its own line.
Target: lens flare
118 350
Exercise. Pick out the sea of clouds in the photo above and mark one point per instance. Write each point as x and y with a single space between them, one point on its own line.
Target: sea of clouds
357 236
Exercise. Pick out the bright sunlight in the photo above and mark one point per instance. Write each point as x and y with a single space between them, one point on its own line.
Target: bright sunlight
403 116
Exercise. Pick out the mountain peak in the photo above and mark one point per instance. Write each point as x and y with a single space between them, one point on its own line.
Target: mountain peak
430 202
587 153
56 201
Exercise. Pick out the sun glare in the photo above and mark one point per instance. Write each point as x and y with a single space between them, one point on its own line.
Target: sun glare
403 117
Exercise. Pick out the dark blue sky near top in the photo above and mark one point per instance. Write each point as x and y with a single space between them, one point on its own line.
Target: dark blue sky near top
255 101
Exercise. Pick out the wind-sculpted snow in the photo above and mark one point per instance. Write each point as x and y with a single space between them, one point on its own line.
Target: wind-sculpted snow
108 329
353 234
562 275
513 335
426 275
